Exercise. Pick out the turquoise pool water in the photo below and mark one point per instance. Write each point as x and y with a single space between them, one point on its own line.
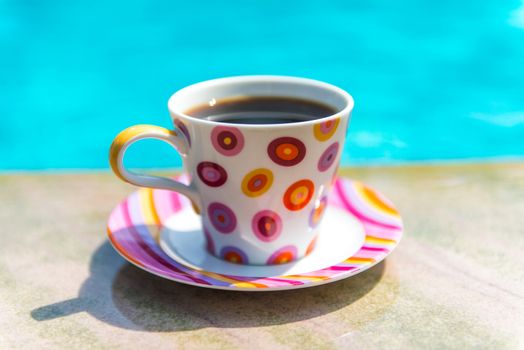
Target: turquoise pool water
431 80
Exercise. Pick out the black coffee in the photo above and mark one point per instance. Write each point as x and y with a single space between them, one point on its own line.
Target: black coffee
261 110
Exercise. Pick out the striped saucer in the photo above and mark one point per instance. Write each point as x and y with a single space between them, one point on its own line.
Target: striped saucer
135 226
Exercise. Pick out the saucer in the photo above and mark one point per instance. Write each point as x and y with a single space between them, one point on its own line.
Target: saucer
158 231
183 240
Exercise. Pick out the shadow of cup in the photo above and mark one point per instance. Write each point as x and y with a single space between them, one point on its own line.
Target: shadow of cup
122 295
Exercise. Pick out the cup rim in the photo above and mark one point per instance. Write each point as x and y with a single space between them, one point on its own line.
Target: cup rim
349 102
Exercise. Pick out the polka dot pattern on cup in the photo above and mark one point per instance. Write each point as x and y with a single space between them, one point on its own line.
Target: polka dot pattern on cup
283 255
257 182
311 246
210 245
222 217
334 176
234 255
267 225
183 128
286 151
317 212
298 195
323 131
328 157
211 174
260 176
228 141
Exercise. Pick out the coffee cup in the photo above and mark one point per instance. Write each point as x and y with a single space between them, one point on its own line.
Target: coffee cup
259 176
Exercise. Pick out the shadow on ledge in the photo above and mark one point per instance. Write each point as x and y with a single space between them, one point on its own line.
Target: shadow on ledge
122 295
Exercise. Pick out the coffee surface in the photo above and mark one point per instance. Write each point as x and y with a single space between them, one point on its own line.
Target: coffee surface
261 110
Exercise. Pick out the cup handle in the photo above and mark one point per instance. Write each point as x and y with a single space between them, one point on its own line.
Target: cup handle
138 132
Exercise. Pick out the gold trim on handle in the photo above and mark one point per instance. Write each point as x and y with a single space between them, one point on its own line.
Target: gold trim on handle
128 135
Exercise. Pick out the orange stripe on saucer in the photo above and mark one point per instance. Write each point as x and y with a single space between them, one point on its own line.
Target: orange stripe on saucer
357 260
373 239
303 277
372 198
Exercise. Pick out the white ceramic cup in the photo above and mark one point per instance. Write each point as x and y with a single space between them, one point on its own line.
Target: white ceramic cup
261 189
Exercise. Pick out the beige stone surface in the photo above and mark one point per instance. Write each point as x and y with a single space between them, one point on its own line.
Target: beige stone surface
455 281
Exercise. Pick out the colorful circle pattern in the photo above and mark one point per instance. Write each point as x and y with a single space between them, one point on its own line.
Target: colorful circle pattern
234 255
328 157
267 225
334 176
299 194
210 245
257 182
311 246
283 255
286 151
183 128
323 131
318 212
228 141
211 174
222 217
